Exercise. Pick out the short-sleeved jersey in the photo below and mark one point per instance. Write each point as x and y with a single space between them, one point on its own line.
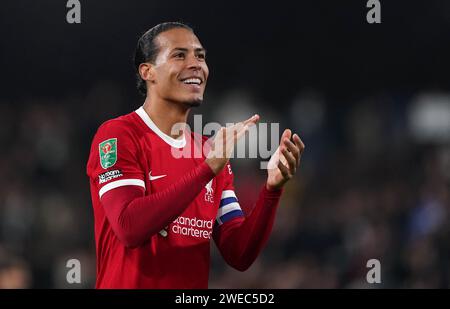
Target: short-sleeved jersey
132 151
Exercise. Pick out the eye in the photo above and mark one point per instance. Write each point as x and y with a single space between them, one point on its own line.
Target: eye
201 56
179 55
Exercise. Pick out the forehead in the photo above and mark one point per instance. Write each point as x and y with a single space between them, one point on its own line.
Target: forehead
178 37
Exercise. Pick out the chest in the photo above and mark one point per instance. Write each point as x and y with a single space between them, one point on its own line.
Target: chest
163 169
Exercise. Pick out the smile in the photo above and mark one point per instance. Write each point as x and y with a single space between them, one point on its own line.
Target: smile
192 81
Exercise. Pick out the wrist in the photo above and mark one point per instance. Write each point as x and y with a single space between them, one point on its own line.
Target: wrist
272 192
273 188
215 165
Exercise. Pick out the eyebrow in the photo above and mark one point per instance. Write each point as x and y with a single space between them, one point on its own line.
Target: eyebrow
198 49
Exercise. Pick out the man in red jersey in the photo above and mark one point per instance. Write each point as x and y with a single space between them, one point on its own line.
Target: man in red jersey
156 213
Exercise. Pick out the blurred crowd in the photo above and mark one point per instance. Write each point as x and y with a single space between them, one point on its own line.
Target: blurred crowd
373 184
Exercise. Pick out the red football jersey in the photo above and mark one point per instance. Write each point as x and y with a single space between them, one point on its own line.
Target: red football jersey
131 151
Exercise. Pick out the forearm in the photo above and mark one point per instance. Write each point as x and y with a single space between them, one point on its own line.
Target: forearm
135 218
241 241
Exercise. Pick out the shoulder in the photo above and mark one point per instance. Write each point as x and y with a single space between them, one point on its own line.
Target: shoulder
123 127
119 124
118 133
121 131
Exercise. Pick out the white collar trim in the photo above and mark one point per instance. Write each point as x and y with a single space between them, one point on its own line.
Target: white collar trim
177 143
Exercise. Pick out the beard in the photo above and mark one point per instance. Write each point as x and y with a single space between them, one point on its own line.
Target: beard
193 103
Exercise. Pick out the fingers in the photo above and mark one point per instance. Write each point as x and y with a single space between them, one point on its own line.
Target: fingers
286 134
294 150
227 138
223 147
299 143
296 146
240 132
240 128
284 170
251 121
291 160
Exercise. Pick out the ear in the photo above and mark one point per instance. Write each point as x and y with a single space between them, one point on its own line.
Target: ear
147 72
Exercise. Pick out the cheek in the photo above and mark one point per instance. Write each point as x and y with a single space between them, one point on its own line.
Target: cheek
167 81
165 73
206 70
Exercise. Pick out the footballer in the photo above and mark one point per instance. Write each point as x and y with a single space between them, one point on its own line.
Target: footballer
155 214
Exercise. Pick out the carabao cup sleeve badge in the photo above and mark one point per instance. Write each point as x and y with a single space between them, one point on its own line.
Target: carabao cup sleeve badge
108 152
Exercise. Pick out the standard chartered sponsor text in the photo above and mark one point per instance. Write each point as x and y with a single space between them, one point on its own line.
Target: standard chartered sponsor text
193 227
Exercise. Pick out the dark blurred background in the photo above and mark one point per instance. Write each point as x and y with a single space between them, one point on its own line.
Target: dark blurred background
370 101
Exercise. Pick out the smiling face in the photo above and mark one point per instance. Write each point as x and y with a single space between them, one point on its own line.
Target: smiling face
179 73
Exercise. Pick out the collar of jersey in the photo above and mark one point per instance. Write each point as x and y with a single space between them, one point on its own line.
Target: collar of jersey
177 143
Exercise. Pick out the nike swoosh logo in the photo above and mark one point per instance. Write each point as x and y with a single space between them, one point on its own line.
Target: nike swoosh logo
155 177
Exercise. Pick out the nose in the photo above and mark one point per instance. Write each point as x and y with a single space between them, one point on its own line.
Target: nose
193 63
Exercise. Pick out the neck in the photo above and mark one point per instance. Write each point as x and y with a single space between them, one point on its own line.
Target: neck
165 114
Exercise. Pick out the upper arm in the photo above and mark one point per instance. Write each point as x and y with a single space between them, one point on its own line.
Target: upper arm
113 160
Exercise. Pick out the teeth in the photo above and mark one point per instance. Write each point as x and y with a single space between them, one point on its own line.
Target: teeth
192 81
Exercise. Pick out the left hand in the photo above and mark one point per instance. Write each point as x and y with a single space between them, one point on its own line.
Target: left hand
284 162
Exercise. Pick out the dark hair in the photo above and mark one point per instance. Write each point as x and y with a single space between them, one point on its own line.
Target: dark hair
147 49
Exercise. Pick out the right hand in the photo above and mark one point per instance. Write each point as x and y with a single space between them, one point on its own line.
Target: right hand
224 142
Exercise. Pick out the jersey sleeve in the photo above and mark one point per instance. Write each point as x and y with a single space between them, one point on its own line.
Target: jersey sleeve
229 207
241 238
113 160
